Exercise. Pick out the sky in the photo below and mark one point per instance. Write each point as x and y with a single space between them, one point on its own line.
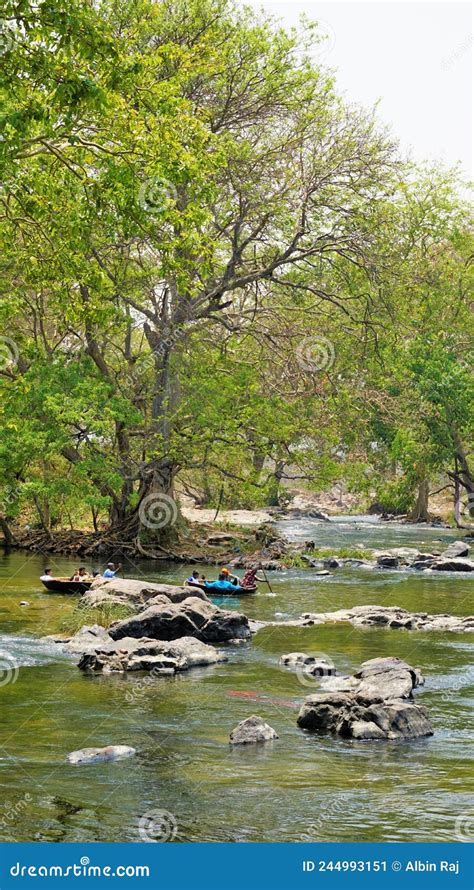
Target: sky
413 58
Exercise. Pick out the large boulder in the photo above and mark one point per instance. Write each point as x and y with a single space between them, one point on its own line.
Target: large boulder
191 618
375 703
139 591
252 730
130 654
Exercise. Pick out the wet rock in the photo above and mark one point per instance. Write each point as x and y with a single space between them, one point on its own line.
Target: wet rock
310 664
131 654
89 638
191 618
331 563
455 549
454 564
99 755
388 562
251 731
391 617
375 703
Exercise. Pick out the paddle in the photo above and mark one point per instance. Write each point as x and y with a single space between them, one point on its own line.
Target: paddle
266 579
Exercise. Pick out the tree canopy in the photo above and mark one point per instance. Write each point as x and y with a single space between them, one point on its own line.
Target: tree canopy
214 271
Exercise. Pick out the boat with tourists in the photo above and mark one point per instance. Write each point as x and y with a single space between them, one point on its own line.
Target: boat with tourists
65 585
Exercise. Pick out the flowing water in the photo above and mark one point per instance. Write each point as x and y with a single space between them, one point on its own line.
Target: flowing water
299 788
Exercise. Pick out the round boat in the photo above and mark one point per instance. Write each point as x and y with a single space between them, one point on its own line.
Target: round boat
212 591
63 585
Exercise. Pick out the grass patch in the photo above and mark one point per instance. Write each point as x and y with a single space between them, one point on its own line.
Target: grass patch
104 615
296 561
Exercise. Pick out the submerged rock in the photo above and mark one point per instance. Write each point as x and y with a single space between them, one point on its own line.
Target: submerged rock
310 664
130 654
453 564
99 755
375 703
191 618
252 730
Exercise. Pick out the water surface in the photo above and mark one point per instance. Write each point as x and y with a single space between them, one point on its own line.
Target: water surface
299 788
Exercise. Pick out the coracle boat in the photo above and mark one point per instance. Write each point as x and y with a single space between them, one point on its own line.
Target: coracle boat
212 591
63 585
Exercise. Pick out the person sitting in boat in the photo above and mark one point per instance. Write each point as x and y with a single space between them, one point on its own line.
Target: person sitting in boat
111 570
222 583
76 576
84 575
234 579
47 575
193 578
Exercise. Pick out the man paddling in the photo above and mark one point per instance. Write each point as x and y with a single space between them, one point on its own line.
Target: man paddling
111 570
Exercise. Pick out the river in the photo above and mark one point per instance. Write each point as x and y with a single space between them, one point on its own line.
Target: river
299 788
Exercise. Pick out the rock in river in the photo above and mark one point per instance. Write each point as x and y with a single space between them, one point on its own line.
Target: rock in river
375 703
191 618
98 755
130 654
252 730
456 548
310 664
134 591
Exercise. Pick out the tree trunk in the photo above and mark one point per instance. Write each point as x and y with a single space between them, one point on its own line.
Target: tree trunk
274 493
420 510
7 532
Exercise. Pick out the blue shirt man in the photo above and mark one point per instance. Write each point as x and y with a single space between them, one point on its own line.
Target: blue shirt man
111 571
